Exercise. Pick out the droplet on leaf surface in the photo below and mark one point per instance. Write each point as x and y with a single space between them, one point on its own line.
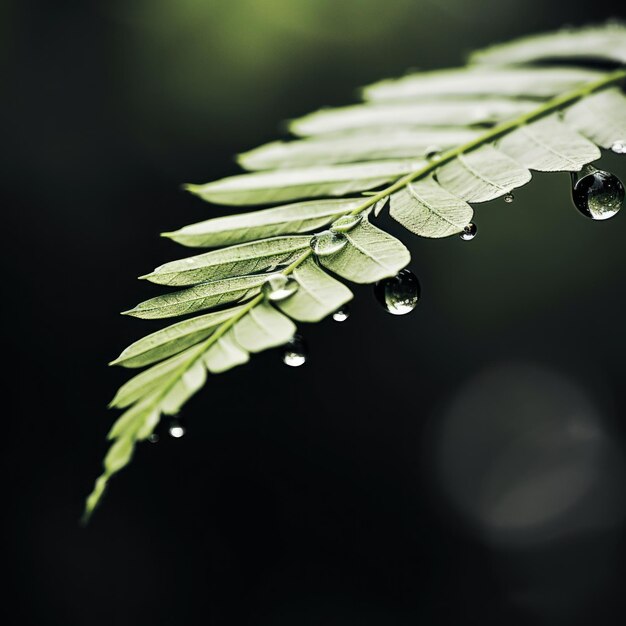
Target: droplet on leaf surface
399 294
433 153
279 287
327 242
345 223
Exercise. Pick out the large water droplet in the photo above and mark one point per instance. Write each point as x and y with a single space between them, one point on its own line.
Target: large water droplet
509 197
278 287
295 352
345 223
327 242
598 194
176 429
619 147
342 314
469 232
399 294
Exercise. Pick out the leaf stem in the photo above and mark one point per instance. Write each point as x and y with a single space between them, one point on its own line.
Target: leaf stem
555 104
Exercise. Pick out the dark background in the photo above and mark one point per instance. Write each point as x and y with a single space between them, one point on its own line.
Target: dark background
461 465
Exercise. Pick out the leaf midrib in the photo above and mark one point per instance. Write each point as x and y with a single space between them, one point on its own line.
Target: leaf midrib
555 104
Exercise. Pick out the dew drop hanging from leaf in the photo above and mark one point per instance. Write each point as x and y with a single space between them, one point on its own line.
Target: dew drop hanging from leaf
469 232
342 314
176 429
398 295
619 147
508 198
327 242
279 287
295 352
597 194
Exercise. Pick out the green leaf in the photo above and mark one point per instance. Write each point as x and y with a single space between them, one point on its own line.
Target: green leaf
263 327
605 42
428 210
225 354
526 82
388 143
548 145
191 381
293 184
488 125
481 175
151 379
290 219
119 455
468 112
172 339
600 117
200 297
318 294
371 254
133 420
246 258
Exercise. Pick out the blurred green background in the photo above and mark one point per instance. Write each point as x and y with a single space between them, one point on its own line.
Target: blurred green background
464 464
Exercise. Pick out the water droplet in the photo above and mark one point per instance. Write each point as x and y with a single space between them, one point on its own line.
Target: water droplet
278 287
469 232
509 197
597 194
295 352
619 147
327 242
176 429
346 223
153 438
433 153
342 314
399 294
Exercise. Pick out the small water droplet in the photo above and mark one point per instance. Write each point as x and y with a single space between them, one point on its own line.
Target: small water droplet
327 242
433 153
176 429
398 295
509 197
278 287
295 352
153 438
342 314
469 232
345 223
597 194
619 147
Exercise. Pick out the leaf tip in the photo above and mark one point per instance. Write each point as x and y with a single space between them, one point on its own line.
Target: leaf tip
94 499
192 187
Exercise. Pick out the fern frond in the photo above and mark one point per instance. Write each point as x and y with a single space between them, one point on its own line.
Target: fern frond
489 123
